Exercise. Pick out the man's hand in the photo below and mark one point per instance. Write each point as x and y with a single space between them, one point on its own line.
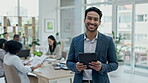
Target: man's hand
80 66
95 65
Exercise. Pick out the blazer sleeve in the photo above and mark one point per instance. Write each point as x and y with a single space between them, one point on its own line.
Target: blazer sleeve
111 58
71 62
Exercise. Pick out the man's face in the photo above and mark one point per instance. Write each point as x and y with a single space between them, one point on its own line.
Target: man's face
92 21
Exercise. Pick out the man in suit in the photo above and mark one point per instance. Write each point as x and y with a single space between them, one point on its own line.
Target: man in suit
92 41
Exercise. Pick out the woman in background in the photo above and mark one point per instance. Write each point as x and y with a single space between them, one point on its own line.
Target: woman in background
2 54
12 48
54 50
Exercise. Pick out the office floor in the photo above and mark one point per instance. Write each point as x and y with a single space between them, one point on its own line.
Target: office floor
125 78
129 78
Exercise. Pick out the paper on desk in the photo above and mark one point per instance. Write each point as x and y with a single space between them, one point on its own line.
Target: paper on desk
37 60
31 74
49 59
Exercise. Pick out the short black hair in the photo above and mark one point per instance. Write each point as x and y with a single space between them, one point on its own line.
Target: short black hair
95 10
2 41
16 36
12 46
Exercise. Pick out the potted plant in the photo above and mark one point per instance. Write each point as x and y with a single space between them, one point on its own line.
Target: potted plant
2 35
33 43
57 38
119 47
36 42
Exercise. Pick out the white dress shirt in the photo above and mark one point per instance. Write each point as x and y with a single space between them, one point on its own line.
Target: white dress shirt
22 70
89 47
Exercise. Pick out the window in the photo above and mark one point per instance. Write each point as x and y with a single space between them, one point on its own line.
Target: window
69 2
140 18
141 37
30 9
124 18
97 1
107 19
8 8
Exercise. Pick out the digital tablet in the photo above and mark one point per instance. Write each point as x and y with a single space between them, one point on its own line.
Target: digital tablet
86 58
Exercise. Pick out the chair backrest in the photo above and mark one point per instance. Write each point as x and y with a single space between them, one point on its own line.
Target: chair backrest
64 55
11 74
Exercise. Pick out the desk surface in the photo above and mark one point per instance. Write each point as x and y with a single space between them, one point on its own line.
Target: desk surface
47 71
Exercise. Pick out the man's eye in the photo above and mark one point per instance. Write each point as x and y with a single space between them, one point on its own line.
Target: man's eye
95 19
89 18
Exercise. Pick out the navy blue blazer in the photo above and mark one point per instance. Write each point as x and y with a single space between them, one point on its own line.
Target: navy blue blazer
106 55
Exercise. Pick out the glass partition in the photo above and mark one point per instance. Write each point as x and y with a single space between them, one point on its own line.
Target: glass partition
141 38
124 31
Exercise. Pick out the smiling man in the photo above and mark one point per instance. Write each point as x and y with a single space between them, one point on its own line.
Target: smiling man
92 41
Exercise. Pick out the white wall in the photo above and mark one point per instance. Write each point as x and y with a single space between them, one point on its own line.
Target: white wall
47 10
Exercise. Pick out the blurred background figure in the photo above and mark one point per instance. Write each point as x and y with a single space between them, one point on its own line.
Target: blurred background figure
54 50
16 37
12 48
2 54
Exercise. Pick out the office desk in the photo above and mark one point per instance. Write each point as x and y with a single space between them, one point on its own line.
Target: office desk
47 74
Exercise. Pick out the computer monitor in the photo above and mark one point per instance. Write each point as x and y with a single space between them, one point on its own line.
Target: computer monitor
24 53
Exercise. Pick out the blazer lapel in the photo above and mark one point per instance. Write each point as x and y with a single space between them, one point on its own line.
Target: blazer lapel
99 43
82 44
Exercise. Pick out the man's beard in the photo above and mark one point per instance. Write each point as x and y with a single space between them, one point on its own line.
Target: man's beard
95 25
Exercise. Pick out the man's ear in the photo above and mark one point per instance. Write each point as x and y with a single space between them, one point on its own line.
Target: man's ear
99 23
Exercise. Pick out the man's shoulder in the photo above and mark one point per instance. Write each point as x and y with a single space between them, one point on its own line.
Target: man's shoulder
79 37
104 36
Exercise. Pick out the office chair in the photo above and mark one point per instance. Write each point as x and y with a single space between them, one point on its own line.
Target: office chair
11 74
64 55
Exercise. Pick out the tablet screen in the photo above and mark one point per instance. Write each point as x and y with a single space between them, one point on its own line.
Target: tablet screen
86 58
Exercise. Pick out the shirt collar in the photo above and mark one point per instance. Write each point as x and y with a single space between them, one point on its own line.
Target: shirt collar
85 38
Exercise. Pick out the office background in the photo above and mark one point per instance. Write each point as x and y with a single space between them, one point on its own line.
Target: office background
128 18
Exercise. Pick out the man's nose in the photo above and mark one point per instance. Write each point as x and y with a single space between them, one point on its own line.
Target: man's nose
92 21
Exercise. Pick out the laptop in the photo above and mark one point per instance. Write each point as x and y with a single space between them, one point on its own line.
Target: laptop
24 53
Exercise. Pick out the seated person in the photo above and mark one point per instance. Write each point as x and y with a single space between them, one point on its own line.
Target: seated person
54 50
12 47
16 37
2 54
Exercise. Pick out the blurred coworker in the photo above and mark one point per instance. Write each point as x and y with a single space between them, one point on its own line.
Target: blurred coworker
16 37
12 48
2 54
54 50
